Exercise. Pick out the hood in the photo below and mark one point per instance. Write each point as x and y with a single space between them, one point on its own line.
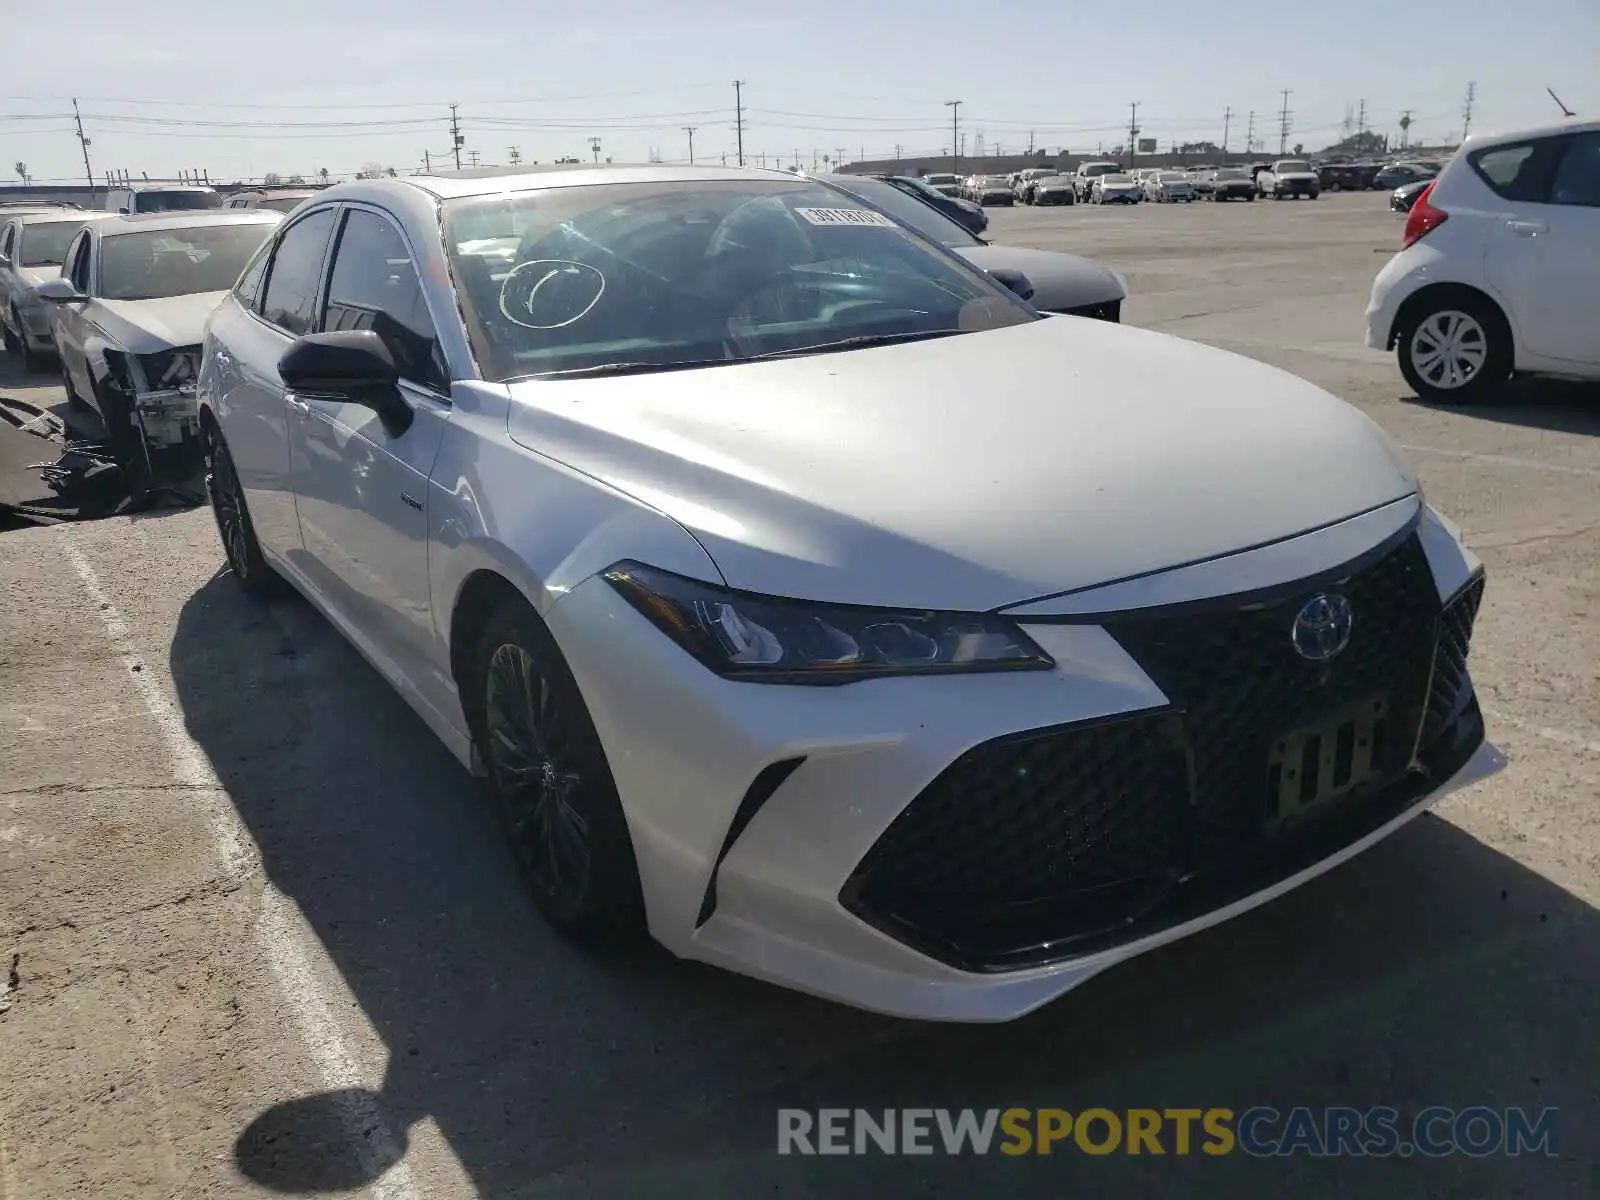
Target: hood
1059 280
145 326
942 475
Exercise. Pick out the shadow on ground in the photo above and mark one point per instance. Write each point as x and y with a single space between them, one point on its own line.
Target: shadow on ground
1564 406
1432 970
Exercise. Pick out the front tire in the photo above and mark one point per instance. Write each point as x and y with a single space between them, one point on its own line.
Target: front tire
25 354
239 543
1455 350
553 789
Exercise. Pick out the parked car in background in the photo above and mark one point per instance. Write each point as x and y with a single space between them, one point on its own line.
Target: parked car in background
945 183
17 208
1087 172
1113 189
130 305
1288 178
33 245
1400 173
1346 177
1232 183
964 213
1054 189
284 200
1404 196
1500 270
1169 187
1201 178
994 189
162 197
1062 283
611 543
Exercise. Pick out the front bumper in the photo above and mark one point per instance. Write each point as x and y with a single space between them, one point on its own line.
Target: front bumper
784 832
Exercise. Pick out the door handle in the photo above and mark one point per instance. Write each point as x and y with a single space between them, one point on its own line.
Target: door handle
300 406
1527 229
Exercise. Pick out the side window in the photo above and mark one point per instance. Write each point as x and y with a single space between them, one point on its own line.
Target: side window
1578 176
290 299
1520 171
7 239
77 269
248 290
374 285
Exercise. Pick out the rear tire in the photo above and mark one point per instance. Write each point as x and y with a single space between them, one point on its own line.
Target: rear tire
19 340
1455 350
552 787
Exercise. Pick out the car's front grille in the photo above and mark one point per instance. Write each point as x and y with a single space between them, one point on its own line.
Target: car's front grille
1105 310
1033 847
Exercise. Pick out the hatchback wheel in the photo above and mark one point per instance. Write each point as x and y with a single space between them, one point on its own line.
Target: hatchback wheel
551 783
233 518
1456 351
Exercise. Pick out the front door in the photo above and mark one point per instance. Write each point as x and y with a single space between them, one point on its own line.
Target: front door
361 487
69 325
1558 297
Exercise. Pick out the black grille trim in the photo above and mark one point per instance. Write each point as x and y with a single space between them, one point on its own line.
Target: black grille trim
1105 310
762 788
1170 807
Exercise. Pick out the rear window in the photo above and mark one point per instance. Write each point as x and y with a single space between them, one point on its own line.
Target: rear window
1520 171
175 201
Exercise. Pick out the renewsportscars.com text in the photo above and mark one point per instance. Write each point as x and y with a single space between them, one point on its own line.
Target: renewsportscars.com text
1258 1131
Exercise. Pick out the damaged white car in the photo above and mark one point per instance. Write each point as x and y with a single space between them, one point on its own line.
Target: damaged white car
33 245
130 307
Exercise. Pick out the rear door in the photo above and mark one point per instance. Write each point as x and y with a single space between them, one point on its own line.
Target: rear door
361 486
1542 249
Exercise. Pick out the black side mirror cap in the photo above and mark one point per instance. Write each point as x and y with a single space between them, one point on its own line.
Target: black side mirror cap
1015 280
351 364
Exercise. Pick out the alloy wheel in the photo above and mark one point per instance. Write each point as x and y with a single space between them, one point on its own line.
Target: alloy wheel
1449 348
533 757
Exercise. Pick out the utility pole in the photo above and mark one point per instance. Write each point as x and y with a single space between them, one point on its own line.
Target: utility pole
427 163
472 157
515 154
1227 120
689 129
1250 135
1283 123
955 137
594 145
738 115
1030 143
838 157
456 140
1133 132
84 142
1361 117
797 158
1466 114
1405 128
897 151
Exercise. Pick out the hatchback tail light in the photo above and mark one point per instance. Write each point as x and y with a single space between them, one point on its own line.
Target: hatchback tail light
1424 217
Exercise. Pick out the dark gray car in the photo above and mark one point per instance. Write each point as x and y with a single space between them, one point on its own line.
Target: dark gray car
1062 283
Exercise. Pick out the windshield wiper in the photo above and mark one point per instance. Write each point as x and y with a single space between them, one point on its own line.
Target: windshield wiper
855 343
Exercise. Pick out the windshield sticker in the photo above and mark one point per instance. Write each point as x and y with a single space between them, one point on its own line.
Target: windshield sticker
550 293
844 216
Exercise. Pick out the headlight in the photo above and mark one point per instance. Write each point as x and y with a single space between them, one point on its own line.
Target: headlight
763 639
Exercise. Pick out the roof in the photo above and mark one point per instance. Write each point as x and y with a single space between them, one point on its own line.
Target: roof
146 222
489 181
153 185
57 215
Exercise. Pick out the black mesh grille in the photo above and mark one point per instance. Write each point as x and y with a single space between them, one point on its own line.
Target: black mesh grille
1450 681
1031 847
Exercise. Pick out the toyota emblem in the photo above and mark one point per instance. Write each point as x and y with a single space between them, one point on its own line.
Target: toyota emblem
1322 627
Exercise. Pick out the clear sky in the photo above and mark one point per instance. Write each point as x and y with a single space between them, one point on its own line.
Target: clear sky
294 86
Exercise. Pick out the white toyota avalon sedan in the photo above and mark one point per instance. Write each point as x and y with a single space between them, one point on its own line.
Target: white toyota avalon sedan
724 527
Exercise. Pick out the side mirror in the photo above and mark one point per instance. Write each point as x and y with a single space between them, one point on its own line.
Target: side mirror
353 365
59 291
1015 280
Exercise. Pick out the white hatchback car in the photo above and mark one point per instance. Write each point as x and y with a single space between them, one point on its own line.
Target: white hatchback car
1500 270
738 536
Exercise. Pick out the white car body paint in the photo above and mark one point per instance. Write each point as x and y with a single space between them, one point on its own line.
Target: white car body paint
912 475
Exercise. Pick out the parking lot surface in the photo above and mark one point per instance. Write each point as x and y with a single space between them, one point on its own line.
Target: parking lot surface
265 938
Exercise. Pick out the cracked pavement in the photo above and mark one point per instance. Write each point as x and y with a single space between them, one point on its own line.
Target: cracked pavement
187 1022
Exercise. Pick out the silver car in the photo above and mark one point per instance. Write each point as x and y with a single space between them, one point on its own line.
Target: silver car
129 306
33 246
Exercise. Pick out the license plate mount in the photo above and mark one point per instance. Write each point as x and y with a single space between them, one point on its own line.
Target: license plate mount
1329 758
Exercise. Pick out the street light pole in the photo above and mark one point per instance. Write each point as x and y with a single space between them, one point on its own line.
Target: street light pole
955 139
689 129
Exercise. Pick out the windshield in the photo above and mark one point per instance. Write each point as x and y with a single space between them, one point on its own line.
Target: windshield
177 262
45 245
1230 174
655 275
995 181
1101 169
1173 177
909 210
1290 166
1105 179
939 180
176 201
283 204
